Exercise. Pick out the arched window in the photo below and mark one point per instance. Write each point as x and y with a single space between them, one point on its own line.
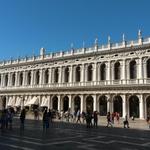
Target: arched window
13 79
89 73
78 74
103 72
29 78
148 68
133 70
134 106
37 77
46 76
117 71
66 74
6 80
21 79
56 75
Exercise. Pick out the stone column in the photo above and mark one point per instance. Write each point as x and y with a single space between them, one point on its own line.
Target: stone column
32 77
128 70
94 72
94 103
112 71
59 103
108 72
2 80
41 77
82 104
140 71
124 106
109 103
123 72
85 73
82 74
9 79
24 78
49 100
98 72
70 73
16 79
63 74
141 105
50 75
70 102
145 71
7 99
74 74
60 75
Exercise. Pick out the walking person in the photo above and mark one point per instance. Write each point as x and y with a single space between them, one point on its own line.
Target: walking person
10 118
148 121
22 118
126 122
78 116
45 120
95 117
109 120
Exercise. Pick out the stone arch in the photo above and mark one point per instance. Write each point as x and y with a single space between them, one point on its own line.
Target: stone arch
56 75
21 78
6 79
66 74
29 78
46 76
103 105
134 106
77 103
117 70
148 106
13 79
103 71
89 103
55 102
148 68
117 104
37 77
65 103
133 69
90 72
78 74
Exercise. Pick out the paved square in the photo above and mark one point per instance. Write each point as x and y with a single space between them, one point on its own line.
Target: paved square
68 136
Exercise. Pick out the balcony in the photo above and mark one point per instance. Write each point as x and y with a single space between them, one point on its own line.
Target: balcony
81 84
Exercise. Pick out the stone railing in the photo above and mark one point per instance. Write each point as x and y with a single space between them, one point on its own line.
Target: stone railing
82 84
71 52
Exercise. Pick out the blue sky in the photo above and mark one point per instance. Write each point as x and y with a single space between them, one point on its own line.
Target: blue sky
28 25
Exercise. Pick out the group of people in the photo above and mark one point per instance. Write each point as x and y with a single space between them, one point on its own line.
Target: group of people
6 118
91 118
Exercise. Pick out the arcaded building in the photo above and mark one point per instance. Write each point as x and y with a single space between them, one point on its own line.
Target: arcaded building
114 77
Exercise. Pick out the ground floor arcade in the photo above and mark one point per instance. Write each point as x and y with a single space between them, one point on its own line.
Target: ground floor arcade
130 104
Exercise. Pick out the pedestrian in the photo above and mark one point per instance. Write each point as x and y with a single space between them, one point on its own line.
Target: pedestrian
109 120
126 122
45 120
10 118
22 118
117 117
95 117
78 116
148 121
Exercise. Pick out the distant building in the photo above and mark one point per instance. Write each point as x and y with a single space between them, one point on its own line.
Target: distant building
111 77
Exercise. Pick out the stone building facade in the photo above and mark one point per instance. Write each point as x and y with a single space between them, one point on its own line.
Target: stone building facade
112 77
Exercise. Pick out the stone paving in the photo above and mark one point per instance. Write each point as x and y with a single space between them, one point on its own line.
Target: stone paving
69 136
